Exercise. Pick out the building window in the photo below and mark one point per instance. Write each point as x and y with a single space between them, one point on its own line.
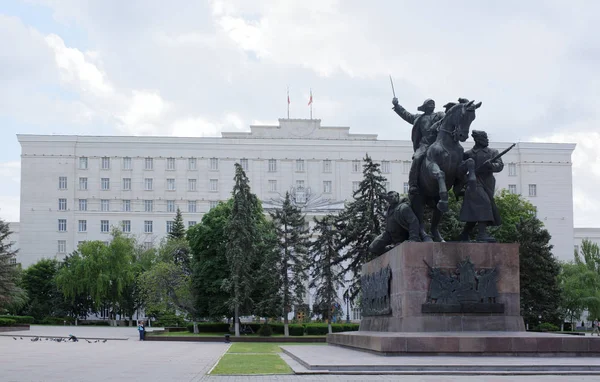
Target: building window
300 165
126 184
62 225
406 167
192 164
104 227
62 246
385 167
148 164
272 186
214 185
355 166
576 249
13 261
171 184
105 182
355 186
82 226
148 205
126 205
148 244
386 186
406 187
83 163
106 163
191 223
512 169
82 204
62 204
244 164
327 186
62 182
356 314
82 184
126 226
148 183
191 206
171 164
147 226
127 163
327 165
170 206
272 165
169 226
299 184
512 188
213 203
192 185
214 164
532 190
105 205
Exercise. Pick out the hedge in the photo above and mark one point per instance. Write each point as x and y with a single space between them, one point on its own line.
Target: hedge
7 322
322 329
209 327
57 320
20 319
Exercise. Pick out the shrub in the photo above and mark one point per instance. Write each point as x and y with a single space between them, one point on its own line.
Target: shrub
547 327
265 331
20 319
94 323
168 319
7 322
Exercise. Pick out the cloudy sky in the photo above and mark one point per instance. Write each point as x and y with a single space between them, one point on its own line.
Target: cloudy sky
195 68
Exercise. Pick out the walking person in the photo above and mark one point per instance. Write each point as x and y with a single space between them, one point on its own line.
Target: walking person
141 330
595 328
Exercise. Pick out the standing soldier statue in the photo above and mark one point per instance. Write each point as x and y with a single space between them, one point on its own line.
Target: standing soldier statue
478 206
423 135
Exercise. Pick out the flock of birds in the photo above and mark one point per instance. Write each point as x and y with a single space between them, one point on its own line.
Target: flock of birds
61 339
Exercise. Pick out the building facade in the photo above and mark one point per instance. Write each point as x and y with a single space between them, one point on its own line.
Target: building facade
13 239
76 188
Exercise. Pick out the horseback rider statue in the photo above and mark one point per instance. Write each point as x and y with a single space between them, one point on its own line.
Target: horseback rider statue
423 135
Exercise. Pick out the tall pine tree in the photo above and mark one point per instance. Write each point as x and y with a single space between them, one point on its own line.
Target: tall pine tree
178 230
11 295
243 236
361 221
539 270
326 275
292 246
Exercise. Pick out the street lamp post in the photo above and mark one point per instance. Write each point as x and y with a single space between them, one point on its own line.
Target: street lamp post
347 309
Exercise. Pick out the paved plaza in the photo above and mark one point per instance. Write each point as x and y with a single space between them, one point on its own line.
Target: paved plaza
123 358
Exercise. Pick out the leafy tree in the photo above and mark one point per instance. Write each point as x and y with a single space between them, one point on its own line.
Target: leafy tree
325 272
101 271
512 208
539 269
44 297
12 296
178 251
178 231
243 234
292 247
361 221
209 266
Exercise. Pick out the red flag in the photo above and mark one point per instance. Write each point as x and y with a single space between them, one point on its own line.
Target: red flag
310 100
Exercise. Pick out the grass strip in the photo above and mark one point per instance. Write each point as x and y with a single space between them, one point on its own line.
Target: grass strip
239 364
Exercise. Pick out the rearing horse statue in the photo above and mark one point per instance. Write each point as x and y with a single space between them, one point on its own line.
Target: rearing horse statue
444 167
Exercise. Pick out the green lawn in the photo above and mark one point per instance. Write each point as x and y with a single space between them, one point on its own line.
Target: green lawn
218 334
254 358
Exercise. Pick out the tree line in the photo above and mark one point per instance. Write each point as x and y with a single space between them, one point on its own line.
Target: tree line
240 261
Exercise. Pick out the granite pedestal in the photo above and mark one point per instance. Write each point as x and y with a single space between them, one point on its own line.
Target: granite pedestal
407 323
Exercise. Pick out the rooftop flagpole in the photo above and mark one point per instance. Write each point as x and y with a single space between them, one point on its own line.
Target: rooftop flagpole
310 102
288 102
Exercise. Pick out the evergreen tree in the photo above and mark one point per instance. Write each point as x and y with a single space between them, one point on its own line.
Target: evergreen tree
539 270
326 274
292 245
361 221
12 296
178 230
38 280
243 236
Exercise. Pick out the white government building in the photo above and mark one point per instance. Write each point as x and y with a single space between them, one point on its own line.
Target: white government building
75 188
